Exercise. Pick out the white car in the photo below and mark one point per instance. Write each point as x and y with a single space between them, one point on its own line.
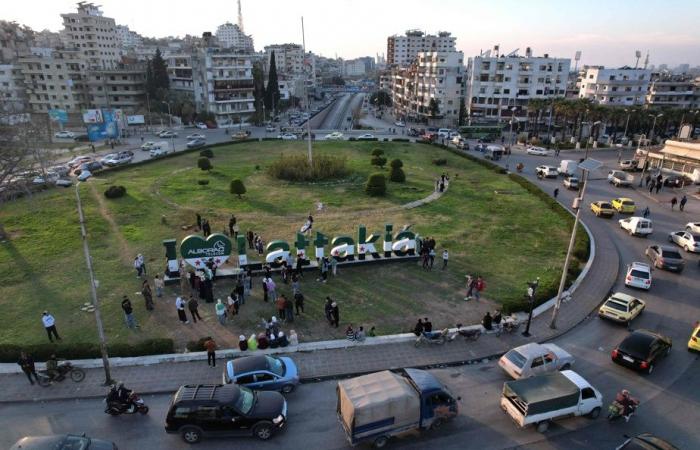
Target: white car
534 359
628 164
167 134
64 135
638 226
84 175
690 242
693 227
456 139
78 160
194 136
571 182
146 146
201 126
638 275
287 137
546 172
364 137
398 123
118 160
334 136
537 151
156 152
108 157
270 128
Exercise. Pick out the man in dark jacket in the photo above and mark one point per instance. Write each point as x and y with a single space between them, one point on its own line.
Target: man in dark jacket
418 329
27 364
335 314
299 302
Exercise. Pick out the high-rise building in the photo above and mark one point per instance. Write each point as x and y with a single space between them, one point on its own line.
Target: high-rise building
625 86
499 83
675 91
122 87
128 39
402 50
93 35
13 97
232 37
292 67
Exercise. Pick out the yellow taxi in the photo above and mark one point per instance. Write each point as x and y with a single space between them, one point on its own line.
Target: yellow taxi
602 208
623 205
694 341
621 308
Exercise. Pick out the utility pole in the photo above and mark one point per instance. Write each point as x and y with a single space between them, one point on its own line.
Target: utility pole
93 291
306 90
531 290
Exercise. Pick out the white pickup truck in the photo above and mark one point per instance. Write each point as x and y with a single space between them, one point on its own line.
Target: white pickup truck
540 400
620 178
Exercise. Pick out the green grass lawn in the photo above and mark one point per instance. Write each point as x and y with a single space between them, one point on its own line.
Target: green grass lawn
490 224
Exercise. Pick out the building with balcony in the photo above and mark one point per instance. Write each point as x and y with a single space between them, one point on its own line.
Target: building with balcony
675 91
180 72
498 83
230 36
93 35
13 96
625 86
128 39
122 87
57 81
403 50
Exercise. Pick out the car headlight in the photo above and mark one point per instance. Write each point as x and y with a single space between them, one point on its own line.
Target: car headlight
277 420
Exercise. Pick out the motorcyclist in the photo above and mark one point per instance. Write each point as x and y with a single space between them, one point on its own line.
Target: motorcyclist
487 321
123 393
628 403
52 369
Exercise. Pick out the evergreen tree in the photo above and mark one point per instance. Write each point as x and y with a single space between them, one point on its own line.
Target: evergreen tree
159 69
272 91
150 82
258 92
462 113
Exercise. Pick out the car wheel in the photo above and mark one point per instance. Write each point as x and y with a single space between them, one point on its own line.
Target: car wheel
594 413
543 426
263 431
287 388
380 442
191 435
650 369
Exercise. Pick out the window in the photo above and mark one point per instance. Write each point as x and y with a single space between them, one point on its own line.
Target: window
261 377
587 393
245 379
537 362
206 412
181 412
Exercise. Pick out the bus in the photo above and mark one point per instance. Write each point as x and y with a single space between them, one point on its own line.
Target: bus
487 133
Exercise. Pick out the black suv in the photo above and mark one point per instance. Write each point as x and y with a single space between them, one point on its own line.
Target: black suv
216 410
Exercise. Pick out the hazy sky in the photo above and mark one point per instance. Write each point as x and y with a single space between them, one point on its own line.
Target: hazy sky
606 31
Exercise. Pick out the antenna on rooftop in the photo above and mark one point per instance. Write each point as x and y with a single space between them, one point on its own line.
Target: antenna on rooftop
637 54
240 17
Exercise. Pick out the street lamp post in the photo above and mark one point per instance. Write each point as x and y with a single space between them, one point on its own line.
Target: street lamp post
593 125
627 122
170 116
651 133
531 290
646 158
93 291
510 149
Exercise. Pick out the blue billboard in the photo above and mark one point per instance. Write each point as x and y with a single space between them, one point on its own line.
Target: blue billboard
107 129
58 115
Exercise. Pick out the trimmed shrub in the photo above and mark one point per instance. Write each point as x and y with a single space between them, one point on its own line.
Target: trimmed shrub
197 346
115 192
86 350
440 162
377 152
396 164
397 175
376 185
379 161
202 182
237 187
204 163
207 153
297 168
401 140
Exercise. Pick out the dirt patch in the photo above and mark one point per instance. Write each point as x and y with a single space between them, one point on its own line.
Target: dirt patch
124 249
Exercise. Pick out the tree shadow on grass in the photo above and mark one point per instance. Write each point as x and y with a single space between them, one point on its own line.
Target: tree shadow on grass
37 287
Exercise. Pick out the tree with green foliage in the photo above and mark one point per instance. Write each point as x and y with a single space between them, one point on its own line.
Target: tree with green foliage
380 99
237 187
272 91
258 93
376 184
204 163
397 175
434 107
157 80
377 152
462 120
379 161
396 164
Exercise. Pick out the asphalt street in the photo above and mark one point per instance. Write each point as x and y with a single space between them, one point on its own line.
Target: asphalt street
669 396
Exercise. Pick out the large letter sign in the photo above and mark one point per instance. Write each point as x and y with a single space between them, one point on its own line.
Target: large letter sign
196 250
405 244
387 239
343 248
171 257
301 244
319 242
242 256
277 251
366 244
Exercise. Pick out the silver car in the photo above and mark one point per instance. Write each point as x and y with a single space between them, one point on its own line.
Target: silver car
534 359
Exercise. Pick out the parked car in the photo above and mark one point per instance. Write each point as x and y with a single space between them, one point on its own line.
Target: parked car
546 172
240 135
601 208
215 410
537 151
119 159
534 359
628 164
638 275
47 178
201 125
64 182
623 205
263 372
619 178
62 442
270 128
194 136
637 226
64 135
149 145
571 182
84 175
676 181
444 132
646 441
690 242
641 350
194 143
61 170
167 134
621 307
78 160
694 341
159 151
92 166
399 123
665 257
365 137
334 136
287 137
693 227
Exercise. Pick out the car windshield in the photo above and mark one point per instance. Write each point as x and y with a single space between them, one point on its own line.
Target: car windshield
275 365
672 254
612 304
516 358
639 274
75 443
606 205
245 400
628 203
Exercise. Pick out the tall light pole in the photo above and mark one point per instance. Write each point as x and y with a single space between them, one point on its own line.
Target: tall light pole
651 133
93 291
587 166
593 125
680 125
306 89
510 149
170 116
531 290
627 122
646 158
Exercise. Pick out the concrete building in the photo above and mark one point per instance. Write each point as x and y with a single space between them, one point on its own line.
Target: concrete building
123 87
128 39
498 83
433 75
677 91
55 82
180 73
13 96
230 36
617 87
15 40
354 68
292 67
402 50
93 35
677 157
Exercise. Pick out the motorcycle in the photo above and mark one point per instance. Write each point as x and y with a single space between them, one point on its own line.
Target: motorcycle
433 337
509 325
616 410
468 335
76 374
133 405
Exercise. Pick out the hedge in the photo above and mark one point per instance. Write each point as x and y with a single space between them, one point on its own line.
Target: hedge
86 350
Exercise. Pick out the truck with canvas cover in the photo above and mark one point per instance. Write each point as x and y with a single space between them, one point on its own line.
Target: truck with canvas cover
541 399
373 408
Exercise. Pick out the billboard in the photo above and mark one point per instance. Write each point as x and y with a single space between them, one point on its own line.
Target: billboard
93 116
135 120
58 115
107 129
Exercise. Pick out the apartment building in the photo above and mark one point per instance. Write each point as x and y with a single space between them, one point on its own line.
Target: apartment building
438 76
354 68
232 37
128 39
499 83
180 72
675 91
293 68
122 87
402 50
13 97
93 35
55 82
625 86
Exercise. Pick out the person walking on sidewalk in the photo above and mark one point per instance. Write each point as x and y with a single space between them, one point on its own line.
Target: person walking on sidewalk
128 313
159 284
674 200
658 186
147 295
193 306
684 200
180 306
220 312
556 193
50 326
647 180
651 186
210 346
26 362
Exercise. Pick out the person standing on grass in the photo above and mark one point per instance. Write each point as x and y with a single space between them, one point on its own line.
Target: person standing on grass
231 305
471 284
199 222
674 200
445 258
479 286
684 200
50 326
220 312
147 295
327 308
128 313
180 306
300 266
296 285
26 362
249 237
210 346
335 314
334 266
159 284
288 309
231 226
193 306
240 291
137 266
142 262
271 289
280 303
264 287
299 302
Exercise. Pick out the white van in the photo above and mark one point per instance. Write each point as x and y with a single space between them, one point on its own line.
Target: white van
637 226
444 132
568 167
